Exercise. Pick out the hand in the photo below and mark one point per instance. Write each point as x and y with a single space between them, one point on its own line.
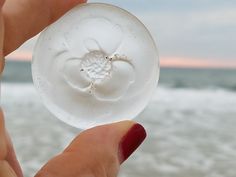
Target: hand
97 152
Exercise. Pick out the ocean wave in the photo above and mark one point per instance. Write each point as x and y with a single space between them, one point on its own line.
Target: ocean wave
191 132
22 89
192 98
182 85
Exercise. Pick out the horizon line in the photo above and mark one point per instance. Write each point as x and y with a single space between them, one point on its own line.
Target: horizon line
166 62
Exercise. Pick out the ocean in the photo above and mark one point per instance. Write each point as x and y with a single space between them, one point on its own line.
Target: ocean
190 123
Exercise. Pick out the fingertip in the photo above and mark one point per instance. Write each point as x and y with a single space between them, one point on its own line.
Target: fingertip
121 138
108 136
58 8
25 19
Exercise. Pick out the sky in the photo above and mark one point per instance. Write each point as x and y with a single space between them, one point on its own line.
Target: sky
188 33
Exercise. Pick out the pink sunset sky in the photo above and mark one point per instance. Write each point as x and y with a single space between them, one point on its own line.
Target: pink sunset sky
177 62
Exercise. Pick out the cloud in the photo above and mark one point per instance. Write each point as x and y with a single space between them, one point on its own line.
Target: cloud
200 30
200 34
188 28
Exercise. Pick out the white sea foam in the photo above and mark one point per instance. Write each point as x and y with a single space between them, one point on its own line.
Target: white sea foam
190 132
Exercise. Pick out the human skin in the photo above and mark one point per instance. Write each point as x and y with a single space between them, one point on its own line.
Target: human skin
97 152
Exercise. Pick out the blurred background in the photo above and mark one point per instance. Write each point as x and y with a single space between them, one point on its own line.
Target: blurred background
191 118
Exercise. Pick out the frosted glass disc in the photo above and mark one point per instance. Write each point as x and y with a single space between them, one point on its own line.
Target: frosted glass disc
97 64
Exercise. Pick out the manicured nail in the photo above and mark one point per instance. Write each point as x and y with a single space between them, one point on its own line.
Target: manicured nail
131 141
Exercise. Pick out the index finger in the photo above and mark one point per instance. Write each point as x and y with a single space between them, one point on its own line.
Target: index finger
24 19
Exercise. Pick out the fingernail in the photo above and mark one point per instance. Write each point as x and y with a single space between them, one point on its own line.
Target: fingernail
131 141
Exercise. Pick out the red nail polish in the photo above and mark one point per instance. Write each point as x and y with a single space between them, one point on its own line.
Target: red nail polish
131 141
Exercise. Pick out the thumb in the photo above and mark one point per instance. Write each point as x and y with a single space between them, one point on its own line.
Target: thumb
96 152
